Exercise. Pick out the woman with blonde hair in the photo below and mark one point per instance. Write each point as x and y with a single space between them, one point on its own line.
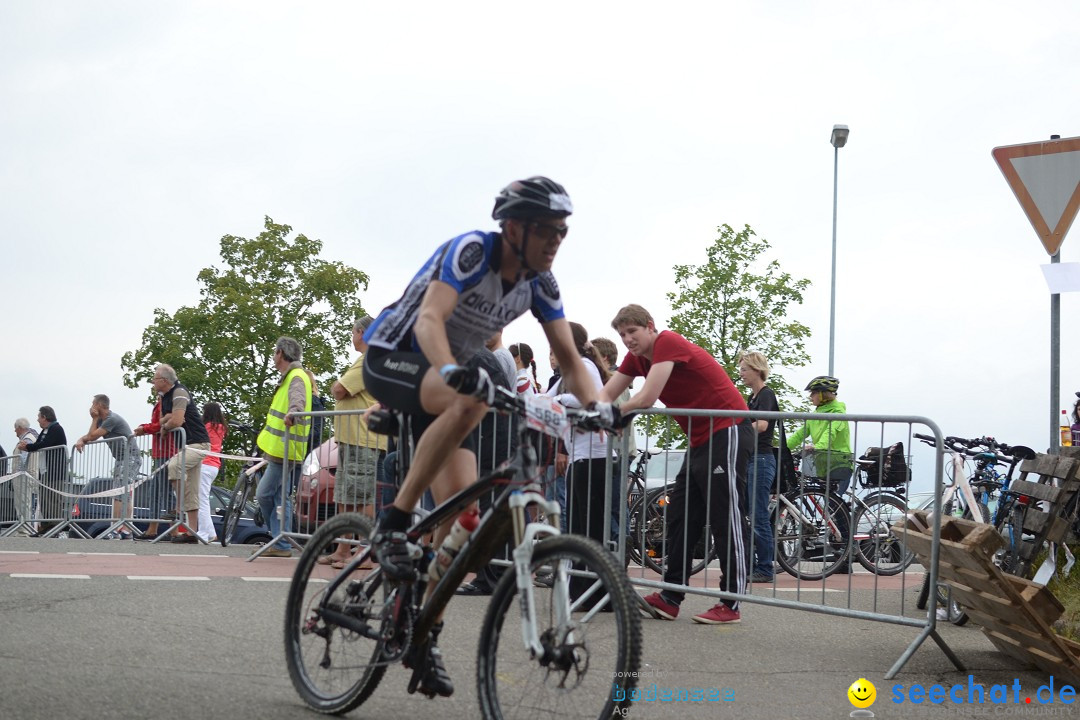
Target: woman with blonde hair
754 371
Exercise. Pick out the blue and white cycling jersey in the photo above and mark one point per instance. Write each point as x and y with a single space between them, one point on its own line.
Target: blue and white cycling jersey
470 264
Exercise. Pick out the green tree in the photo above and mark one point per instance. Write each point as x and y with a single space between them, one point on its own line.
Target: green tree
222 348
738 301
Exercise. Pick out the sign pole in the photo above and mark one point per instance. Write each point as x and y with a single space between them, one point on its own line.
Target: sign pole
1055 366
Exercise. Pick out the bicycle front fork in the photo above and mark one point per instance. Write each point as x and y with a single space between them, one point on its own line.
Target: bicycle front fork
525 536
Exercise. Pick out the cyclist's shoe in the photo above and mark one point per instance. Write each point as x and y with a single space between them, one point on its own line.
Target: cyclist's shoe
396 555
435 680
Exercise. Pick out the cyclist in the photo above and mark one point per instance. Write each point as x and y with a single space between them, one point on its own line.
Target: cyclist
469 289
829 440
830 443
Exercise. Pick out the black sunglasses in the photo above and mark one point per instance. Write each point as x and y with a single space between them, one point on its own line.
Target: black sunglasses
550 231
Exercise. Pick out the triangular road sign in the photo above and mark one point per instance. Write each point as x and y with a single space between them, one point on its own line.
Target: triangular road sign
1045 177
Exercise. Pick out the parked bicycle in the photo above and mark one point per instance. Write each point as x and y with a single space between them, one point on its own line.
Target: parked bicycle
977 497
571 649
817 531
243 491
645 533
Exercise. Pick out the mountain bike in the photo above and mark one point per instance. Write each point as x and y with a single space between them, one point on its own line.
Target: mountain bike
571 649
811 526
244 490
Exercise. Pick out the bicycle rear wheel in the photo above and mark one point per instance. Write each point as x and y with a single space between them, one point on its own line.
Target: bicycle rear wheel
231 520
809 543
876 548
332 645
591 645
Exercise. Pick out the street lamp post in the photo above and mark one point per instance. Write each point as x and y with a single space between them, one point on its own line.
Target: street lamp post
838 140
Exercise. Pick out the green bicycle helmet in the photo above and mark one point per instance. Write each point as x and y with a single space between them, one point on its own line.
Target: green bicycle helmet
823 383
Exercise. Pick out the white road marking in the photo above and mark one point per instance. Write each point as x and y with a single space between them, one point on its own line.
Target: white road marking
49 576
167 577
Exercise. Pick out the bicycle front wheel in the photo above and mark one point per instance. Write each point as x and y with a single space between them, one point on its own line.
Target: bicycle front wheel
331 640
589 628
235 510
876 548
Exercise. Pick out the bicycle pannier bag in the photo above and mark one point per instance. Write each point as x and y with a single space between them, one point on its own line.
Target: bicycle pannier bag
889 466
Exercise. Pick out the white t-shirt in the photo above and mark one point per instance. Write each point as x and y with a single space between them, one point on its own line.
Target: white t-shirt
586 446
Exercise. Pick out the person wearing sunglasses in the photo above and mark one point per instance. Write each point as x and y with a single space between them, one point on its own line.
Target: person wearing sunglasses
470 288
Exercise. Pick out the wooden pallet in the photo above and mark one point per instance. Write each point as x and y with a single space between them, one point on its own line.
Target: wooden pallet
1053 481
1015 614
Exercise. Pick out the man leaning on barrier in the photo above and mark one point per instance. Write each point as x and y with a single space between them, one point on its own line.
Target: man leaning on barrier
293 395
104 423
23 486
178 409
54 479
710 487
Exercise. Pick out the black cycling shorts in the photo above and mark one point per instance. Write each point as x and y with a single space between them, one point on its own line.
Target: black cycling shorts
394 377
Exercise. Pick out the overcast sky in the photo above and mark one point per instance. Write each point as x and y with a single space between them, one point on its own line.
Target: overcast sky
134 135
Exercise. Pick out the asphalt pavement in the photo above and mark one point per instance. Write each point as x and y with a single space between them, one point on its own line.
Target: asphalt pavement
92 629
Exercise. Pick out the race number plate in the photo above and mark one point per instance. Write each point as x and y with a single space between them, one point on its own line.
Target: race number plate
542 413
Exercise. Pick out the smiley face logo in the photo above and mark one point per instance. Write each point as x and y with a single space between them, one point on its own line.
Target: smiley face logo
862 693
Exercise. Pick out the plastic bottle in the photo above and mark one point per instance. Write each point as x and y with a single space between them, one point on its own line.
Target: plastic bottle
463 528
1066 430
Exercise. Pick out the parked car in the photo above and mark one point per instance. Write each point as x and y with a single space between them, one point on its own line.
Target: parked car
92 513
662 468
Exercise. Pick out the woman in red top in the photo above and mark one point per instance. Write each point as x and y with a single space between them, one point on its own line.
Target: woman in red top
157 496
216 428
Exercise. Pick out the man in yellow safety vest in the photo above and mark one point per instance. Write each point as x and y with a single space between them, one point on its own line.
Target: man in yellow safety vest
283 440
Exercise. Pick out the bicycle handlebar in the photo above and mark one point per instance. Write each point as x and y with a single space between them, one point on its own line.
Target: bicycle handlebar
996 451
508 401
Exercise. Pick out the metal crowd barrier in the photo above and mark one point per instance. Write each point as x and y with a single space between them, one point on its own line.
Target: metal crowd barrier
151 500
306 495
103 475
312 498
105 489
857 594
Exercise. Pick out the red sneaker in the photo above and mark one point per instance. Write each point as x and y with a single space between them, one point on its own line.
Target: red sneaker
720 614
662 607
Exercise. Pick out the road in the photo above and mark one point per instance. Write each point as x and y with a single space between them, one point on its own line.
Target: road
197 632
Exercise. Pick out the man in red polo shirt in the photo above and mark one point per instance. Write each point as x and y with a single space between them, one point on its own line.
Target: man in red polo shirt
710 488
